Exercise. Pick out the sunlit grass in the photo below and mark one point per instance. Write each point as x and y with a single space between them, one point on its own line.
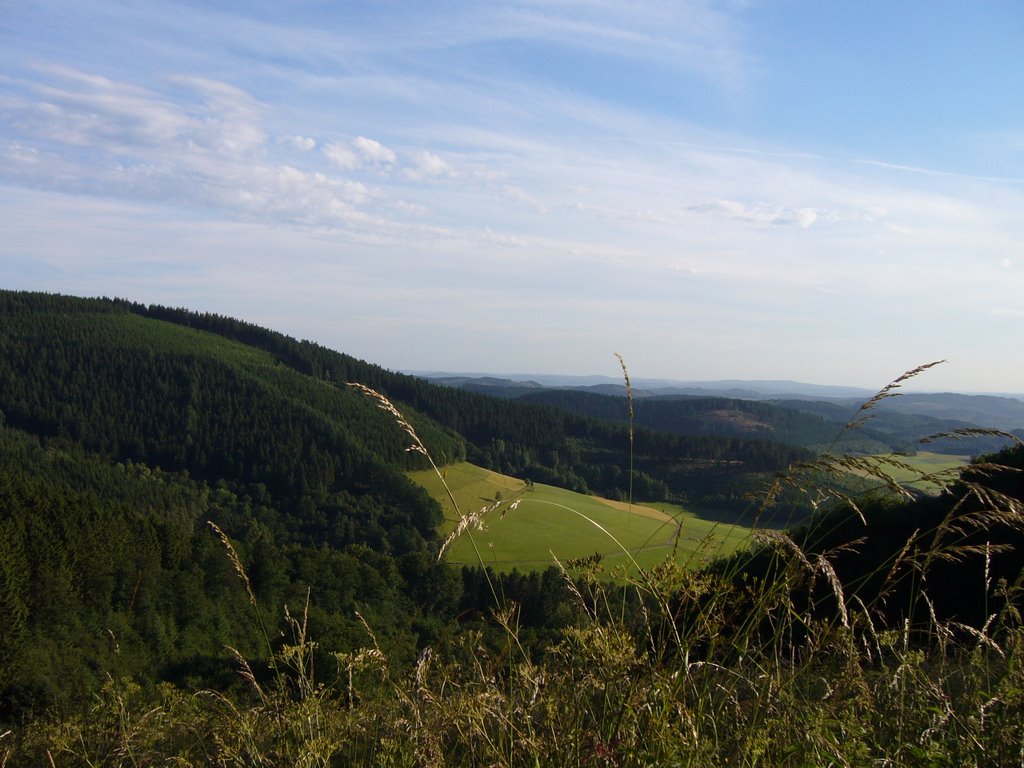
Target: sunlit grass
925 471
552 522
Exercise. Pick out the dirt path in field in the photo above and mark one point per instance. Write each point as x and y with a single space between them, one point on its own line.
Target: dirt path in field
642 511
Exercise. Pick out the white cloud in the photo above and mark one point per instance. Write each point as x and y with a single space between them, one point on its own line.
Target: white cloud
79 109
612 198
521 196
759 213
374 151
361 152
684 35
201 142
298 143
229 119
427 165
341 155
94 135
85 110
806 217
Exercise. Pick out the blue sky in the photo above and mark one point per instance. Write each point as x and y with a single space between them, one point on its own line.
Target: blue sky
824 191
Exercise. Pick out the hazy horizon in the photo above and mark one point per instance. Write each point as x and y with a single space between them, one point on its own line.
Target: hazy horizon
717 190
909 387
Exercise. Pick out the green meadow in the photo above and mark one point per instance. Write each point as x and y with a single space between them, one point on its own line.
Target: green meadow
925 471
528 526
929 464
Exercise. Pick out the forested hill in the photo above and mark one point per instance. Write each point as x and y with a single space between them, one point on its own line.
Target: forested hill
719 416
122 435
167 386
817 425
132 388
535 441
124 428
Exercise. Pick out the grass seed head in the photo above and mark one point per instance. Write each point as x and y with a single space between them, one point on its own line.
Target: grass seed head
235 561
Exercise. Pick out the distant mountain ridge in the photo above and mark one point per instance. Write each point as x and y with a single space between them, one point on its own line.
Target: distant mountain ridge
751 390
896 423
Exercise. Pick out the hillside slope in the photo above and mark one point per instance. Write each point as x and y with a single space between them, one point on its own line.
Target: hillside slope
124 428
752 419
535 441
122 435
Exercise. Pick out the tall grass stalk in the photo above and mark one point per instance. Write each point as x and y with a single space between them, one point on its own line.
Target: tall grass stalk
467 522
632 413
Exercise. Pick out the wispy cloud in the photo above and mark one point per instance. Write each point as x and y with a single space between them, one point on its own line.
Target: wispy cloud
509 155
759 214
939 172
690 35
208 143
200 140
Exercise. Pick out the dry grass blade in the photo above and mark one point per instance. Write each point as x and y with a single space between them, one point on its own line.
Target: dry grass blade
800 479
570 583
986 469
996 507
471 520
950 542
870 466
780 540
832 577
889 390
235 561
981 635
888 581
957 434
475 521
629 390
418 447
247 673
465 522
629 400
386 405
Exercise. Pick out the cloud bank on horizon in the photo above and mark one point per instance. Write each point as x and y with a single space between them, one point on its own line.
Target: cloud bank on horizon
716 189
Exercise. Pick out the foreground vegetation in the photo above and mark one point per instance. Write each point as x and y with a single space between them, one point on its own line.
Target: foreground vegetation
784 656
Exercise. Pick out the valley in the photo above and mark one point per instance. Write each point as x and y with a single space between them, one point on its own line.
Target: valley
202 520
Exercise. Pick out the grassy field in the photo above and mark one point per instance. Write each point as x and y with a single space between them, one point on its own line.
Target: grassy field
921 467
551 522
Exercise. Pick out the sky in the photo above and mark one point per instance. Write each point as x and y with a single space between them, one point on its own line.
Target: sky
817 190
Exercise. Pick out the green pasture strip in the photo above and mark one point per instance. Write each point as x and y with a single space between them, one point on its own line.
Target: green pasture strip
134 331
473 488
925 463
131 331
552 522
162 336
700 539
